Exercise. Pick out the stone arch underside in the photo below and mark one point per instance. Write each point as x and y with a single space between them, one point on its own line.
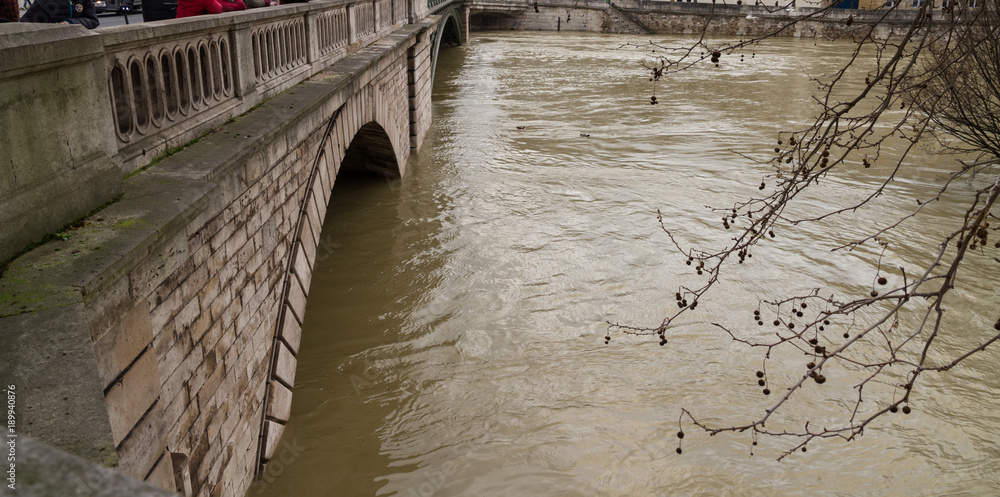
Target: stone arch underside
372 151
370 131
494 20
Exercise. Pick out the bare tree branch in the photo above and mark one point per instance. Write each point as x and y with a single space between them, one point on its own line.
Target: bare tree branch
935 84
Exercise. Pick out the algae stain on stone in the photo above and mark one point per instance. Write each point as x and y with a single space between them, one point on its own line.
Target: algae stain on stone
103 454
34 298
129 222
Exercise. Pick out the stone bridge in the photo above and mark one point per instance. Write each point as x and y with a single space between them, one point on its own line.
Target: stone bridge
178 175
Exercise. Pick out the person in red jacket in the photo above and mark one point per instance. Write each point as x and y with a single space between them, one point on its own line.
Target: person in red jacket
189 8
9 11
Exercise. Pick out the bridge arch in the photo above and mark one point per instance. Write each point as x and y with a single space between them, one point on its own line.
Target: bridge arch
369 132
451 30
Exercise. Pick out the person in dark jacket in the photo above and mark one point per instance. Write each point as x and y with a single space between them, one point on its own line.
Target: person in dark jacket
82 12
152 10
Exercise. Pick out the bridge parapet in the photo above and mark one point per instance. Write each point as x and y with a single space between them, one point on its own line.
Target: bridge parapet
204 70
164 85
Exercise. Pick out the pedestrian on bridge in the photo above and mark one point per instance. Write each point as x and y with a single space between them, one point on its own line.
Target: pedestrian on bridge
152 10
189 8
82 12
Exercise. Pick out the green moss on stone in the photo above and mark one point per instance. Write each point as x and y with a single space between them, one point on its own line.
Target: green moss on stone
103 454
109 456
23 298
129 222
62 234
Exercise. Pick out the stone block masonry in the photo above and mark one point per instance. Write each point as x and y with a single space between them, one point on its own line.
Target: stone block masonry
679 18
162 335
420 73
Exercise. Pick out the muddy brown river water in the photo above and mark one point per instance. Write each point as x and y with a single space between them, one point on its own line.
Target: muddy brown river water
453 343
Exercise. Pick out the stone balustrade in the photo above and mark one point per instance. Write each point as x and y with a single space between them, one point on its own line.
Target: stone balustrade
168 83
204 70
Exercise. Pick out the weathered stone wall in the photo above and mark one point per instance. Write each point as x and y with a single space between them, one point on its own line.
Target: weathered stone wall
552 18
420 85
44 471
418 10
214 313
181 306
751 20
680 18
53 107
